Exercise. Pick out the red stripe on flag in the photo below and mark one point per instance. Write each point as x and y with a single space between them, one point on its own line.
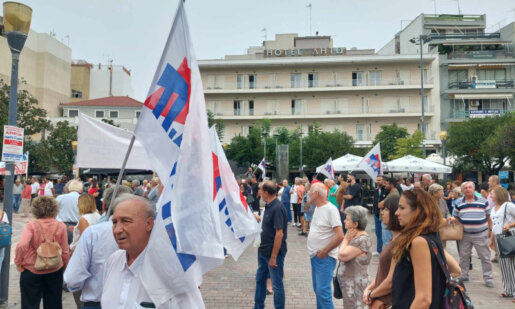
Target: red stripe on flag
216 172
151 101
185 72
169 104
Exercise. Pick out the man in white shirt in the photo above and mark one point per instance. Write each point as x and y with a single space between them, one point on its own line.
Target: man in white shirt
133 220
49 187
85 271
293 201
325 235
35 187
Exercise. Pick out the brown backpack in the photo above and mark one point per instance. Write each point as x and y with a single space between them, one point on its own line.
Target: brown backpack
49 253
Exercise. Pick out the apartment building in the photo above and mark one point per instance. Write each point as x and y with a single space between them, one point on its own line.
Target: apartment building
476 69
297 81
44 66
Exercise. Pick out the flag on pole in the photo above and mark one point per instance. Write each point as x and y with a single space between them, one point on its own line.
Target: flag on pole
238 225
371 162
262 166
186 240
328 169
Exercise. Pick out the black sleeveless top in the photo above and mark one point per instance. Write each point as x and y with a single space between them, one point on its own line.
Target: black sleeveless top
403 281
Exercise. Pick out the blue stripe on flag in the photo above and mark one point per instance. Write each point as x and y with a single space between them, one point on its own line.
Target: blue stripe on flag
178 140
172 133
166 210
218 181
186 260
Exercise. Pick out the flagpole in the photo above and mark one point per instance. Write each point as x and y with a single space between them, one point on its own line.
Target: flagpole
120 175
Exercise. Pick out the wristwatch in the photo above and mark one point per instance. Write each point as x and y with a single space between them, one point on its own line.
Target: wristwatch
369 293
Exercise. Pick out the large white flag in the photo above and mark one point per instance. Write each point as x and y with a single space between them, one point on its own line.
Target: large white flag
371 163
239 227
186 240
328 169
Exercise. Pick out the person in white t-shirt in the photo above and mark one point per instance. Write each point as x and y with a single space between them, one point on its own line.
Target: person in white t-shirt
293 200
49 187
325 235
35 187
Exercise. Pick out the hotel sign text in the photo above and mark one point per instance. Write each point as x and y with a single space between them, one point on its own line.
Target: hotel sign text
331 51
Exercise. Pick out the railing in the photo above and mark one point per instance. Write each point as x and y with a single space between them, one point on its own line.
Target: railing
476 85
465 36
320 84
480 54
442 17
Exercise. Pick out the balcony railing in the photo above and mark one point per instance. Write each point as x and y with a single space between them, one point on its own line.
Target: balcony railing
463 114
480 54
482 84
321 84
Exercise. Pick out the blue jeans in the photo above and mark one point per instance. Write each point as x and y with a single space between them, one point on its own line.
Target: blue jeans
288 211
16 202
276 274
2 254
322 276
387 235
379 234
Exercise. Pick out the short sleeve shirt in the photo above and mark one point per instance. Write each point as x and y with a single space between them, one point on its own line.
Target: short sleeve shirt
321 231
285 197
355 191
331 198
473 215
274 218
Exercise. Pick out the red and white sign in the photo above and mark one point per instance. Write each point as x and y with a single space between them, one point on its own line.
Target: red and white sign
20 167
12 149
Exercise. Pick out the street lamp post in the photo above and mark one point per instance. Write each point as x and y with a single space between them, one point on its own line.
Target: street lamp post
17 19
443 138
420 41
301 168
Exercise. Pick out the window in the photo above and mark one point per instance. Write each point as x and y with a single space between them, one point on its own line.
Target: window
364 105
73 113
271 107
458 78
272 81
252 81
237 108
239 81
113 114
138 113
295 79
312 80
296 107
99 114
251 108
357 78
362 132
211 81
375 78
491 74
76 94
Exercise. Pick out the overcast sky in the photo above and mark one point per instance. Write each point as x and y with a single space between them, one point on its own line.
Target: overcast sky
133 32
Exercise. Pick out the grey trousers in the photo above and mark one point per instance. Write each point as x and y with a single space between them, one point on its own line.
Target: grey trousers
480 242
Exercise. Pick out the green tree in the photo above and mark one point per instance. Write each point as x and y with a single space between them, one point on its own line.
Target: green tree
30 116
246 150
319 146
471 142
388 137
410 145
220 124
110 121
503 139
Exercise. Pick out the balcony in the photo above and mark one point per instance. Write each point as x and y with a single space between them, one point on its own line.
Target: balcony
465 114
319 86
482 84
480 54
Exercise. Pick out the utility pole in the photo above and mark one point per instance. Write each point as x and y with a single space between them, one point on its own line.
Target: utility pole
309 6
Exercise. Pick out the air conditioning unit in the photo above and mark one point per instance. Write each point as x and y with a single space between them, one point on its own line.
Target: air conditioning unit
474 103
268 113
275 112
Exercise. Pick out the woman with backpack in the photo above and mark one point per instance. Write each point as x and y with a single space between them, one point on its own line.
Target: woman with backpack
41 255
417 252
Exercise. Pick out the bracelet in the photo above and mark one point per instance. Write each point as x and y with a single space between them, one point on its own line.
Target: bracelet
369 294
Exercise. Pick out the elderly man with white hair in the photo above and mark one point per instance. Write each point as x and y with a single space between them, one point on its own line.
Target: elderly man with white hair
68 206
474 213
325 235
426 181
153 193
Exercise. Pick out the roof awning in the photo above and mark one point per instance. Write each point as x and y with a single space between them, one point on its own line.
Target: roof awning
484 96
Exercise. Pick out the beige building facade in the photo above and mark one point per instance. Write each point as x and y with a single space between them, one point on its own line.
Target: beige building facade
44 65
298 81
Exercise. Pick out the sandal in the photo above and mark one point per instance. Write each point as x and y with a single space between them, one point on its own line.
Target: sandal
504 295
269 292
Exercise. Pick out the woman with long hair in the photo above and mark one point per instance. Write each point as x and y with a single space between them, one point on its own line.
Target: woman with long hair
419 282
503 219
378 294
88 216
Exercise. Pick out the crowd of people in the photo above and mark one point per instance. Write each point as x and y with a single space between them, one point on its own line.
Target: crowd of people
77 245
408 218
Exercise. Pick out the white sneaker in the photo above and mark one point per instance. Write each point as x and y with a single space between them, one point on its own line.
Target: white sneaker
375 254
293 224
298 224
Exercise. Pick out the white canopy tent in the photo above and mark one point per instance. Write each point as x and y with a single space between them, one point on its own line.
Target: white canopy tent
436 158
416 165
348 162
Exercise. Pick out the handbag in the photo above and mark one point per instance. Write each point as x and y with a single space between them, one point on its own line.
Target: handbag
337 291
506 241
5 232
451 231
49 253
378 304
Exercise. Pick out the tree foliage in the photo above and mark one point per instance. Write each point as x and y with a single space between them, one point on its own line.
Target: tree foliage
220 124
30 116
388 137
410 145
482 144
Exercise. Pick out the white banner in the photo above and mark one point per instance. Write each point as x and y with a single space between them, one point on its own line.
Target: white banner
12 149
101 145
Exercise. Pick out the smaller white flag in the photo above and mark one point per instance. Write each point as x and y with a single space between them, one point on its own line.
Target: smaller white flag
262 167
328 169
371 162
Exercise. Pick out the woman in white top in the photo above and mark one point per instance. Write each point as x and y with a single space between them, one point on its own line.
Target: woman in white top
503 219
3 218
88 216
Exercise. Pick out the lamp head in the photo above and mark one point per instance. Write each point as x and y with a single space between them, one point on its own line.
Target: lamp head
17 17
443 135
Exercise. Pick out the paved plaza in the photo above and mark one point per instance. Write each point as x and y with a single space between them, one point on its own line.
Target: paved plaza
232 284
